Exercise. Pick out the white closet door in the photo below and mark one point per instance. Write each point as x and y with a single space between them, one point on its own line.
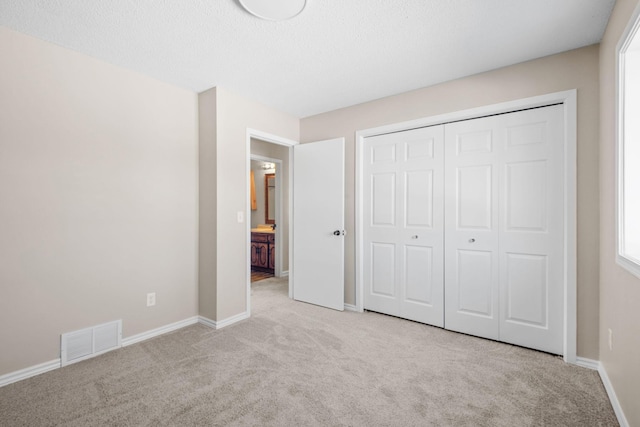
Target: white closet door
504 228
403 224
532 231
472 167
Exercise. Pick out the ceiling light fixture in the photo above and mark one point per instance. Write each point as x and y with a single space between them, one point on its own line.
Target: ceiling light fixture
274 10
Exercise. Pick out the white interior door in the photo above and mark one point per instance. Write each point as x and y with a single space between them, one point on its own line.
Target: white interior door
403 224
504 229
318 223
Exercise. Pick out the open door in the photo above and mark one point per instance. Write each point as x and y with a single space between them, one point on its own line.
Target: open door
318 223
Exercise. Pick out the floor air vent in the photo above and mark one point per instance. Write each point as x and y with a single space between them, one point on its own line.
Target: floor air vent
85 343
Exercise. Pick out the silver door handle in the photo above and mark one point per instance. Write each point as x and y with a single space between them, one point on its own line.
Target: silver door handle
339 233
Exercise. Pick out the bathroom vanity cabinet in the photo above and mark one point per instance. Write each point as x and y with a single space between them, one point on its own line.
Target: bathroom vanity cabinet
263 247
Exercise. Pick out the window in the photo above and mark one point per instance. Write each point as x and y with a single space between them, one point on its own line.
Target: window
628 147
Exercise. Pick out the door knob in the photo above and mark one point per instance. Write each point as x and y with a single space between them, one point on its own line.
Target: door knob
472 240
336 233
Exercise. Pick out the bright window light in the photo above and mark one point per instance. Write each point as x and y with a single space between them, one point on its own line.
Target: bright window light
628 147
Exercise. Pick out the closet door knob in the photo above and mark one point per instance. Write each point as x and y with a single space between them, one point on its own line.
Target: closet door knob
472 240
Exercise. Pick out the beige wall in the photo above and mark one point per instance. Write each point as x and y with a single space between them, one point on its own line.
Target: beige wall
234 115
279 152
577 69
207 242
98 199
619 290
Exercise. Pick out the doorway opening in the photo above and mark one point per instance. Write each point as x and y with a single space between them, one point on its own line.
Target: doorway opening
268 208
267 189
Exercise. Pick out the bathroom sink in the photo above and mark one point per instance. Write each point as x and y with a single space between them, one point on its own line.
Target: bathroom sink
263 228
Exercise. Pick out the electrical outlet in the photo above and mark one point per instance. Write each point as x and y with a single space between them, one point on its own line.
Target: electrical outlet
610 340
151 299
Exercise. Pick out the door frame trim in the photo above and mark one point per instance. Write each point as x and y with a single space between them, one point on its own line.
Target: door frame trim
274 139
569 101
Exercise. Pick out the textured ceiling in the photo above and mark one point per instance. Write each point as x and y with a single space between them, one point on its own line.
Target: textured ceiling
335 54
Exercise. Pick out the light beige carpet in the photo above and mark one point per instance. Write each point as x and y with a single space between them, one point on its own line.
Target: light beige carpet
294 364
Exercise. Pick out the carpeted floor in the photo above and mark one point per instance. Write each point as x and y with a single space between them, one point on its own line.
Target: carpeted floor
295 364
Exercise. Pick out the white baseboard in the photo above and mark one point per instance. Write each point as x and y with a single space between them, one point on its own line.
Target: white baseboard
588 363
159 331
622 420
231 320
597 366
350 307
284 273
29 372
207 322
218 324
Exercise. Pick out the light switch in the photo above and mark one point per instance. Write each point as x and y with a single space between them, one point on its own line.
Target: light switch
240 216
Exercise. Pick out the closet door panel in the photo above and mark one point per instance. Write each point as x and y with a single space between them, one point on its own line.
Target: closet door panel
403 209
422 274
474 197
532 234
419 199
527 289
383 270
474 281
525 196
471 219
504 228
418 264
383 200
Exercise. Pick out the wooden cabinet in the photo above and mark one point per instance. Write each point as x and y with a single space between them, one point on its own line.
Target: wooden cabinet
272 257
263 251
259 255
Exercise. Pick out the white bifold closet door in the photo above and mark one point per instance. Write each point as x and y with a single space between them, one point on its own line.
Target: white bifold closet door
463 226
403 224
504 238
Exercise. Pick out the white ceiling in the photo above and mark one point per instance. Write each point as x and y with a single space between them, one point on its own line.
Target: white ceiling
335 54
